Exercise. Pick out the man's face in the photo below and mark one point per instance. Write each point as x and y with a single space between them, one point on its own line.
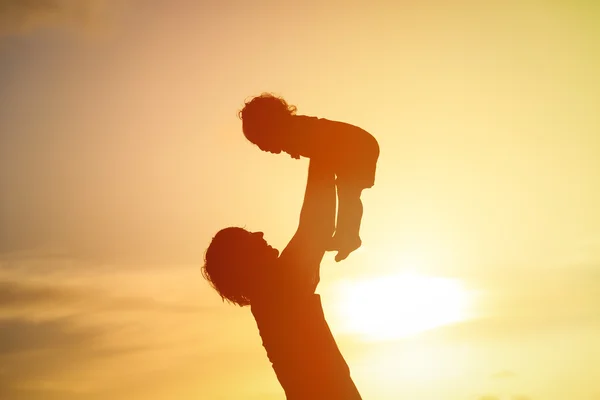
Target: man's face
260 249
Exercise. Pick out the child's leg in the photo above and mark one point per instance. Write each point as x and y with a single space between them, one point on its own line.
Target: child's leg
350 211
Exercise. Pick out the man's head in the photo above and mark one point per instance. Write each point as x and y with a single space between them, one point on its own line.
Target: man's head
265 121
238 264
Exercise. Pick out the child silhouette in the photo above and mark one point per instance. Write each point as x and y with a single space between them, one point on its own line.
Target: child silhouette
271 124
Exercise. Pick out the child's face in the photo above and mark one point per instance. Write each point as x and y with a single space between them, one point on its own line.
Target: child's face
273 139
269 147
269 142
278 145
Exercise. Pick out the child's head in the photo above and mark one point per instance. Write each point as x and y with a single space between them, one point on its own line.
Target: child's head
264 121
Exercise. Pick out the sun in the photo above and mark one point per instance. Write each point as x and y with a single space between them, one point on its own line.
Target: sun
396 306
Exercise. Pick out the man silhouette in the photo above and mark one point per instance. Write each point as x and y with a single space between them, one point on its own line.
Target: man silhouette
280 290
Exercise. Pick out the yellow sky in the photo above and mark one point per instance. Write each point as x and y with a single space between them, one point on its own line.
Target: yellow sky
121 155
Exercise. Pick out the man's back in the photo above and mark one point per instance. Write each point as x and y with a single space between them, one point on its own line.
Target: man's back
299 344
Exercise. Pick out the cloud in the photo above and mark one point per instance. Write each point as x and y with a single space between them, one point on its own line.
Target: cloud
22 16
488 397
38 351
15 295
20 335
51 359
71 328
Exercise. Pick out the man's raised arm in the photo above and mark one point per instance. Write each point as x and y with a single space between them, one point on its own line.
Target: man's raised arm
317 217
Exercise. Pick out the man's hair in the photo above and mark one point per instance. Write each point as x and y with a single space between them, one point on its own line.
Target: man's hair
226 265
266 108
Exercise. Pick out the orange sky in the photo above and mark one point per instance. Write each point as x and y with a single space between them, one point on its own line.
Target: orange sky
121 155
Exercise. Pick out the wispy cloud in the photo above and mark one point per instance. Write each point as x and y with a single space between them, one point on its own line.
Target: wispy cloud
22 16
35 354
13 294
17 296
69 328
20 335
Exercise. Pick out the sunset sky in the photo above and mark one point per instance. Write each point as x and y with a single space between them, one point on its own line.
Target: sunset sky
121 155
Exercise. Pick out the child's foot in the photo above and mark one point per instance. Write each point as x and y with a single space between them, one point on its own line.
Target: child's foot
346 247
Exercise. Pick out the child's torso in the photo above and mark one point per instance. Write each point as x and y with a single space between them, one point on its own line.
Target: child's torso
339 141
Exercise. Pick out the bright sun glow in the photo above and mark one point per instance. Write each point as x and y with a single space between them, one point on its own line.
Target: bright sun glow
400 305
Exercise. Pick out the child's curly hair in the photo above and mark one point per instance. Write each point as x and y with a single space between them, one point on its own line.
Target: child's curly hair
266 109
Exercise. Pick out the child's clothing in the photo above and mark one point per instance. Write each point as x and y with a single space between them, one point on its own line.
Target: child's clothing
352 150
353 153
